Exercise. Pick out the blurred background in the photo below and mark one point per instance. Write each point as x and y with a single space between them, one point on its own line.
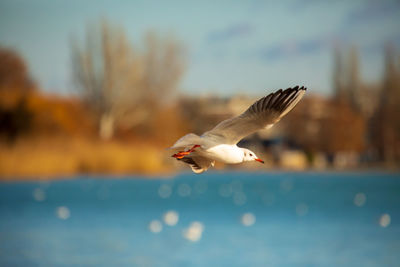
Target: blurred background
93 90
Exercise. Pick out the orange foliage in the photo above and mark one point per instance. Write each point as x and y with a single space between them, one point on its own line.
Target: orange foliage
167 125
44 157
56 115
13 72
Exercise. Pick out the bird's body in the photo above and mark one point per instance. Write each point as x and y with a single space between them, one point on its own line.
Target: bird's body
219 144
228 154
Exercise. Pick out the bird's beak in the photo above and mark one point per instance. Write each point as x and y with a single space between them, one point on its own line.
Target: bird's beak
259 160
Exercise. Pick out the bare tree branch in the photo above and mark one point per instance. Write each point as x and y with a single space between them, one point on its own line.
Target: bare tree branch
122 86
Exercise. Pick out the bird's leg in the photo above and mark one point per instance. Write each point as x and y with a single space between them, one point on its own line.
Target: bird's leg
181 154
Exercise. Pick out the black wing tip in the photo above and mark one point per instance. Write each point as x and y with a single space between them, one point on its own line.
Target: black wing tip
302 88
278 100
291 89
297 88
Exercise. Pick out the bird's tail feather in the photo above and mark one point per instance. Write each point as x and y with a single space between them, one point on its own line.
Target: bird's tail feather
188 140
197 163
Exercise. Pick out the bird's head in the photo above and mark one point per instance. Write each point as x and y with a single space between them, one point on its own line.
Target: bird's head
250 156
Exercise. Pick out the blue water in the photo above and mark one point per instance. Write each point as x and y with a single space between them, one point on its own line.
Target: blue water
301 219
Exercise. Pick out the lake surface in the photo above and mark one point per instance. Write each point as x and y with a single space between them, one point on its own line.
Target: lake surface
215 219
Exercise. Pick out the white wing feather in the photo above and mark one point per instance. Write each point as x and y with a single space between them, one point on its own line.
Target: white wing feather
263 113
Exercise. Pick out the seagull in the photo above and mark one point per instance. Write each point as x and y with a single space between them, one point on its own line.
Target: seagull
220 143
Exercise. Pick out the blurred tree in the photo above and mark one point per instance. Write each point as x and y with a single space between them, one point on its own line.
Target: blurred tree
121 85
353 82
338 75
13 72
360 97
387 119
328 126
15 87
307 116
343 130
15 121
108 73
346 77
163 67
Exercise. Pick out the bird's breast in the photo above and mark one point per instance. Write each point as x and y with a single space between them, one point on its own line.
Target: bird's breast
225 153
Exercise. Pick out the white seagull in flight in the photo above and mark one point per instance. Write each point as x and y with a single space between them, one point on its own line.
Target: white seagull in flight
201 152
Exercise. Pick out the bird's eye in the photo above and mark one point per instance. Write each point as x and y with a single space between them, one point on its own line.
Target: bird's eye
251 155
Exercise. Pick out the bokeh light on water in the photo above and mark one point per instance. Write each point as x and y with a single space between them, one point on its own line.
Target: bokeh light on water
63 212
221 219
248 219
171 217
384 220
165 191
155 226
225 190
39 194
239 198
200 187
184 190
194 232
360 199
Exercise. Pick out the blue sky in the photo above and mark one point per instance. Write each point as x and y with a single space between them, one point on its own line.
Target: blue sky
232 46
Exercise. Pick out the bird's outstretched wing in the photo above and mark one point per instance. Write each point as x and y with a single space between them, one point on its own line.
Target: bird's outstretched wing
198 164
262 114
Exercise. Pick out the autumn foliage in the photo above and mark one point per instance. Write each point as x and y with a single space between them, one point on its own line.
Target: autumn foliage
42 134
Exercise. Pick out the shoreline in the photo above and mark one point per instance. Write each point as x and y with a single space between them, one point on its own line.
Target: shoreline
176 173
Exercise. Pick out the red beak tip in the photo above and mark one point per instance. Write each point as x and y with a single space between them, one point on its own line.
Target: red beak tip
259 160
